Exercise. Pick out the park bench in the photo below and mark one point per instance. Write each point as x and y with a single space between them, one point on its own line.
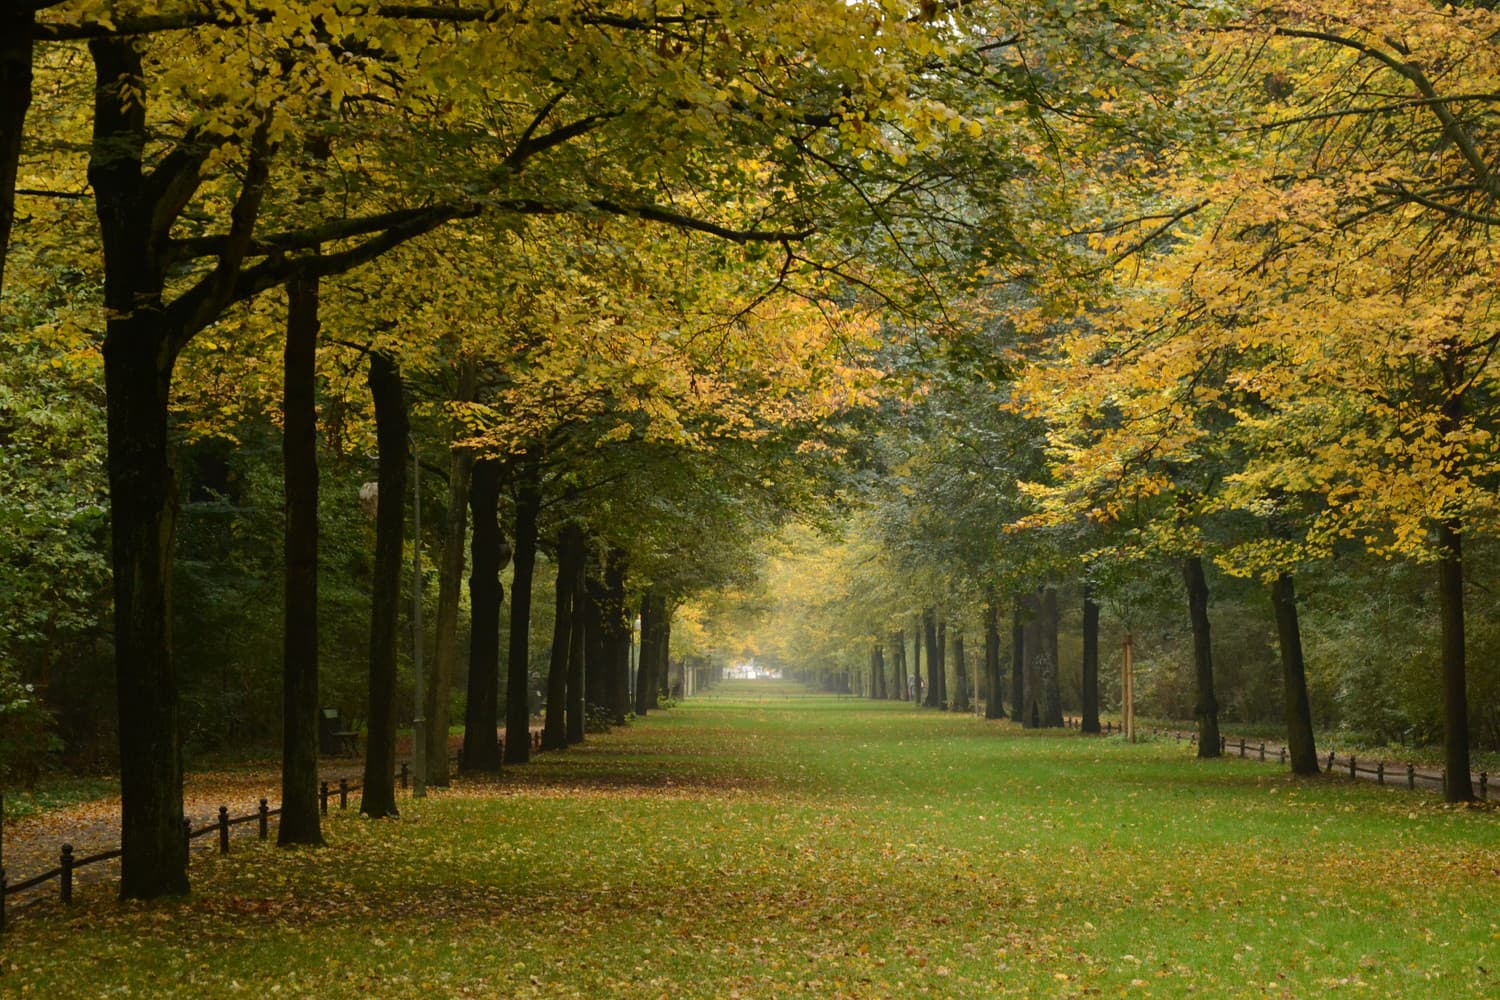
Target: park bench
336 735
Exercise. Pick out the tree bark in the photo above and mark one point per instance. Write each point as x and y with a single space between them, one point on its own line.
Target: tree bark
620 635
994 705
17 19
960 674
450 586
596 656
139 357
392 428
518 679
1207 708
1458 785
300 821
934 659
1299 728
554 725
898 646
645 679
940 665
577 639
1031 674
1018 660
916 663
1090 723
481 749
1052 716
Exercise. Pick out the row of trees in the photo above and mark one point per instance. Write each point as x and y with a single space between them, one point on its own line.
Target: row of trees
617 263
1275 383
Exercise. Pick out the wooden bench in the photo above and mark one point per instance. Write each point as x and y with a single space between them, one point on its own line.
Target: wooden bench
336 735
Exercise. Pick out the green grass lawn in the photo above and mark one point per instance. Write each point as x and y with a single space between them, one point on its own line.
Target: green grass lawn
765 843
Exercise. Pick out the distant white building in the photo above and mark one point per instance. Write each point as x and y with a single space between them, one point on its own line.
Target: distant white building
750 671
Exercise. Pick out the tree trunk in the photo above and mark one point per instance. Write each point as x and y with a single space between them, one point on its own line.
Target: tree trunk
139 356
1206 709
940 665
645 681
960 674
450 586
1018 661
518 668
1299 729
577 639
620 636
1032 684
934 659
1052 716
554 726
1458 785
663 668
392 428
300 821
898 646
994 706
596 655
916 663
1090 723
16 22
481 750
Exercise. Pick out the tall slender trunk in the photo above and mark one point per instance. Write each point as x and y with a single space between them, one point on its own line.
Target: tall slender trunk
940 665
1052 716
1032 686
17 20
1090 723
620 636
645 680
139 356
596 656
934 659
916 663
663 668
898 665
300 822
450 586
577 639
960 674
518 667
1458 784
392 428
1299 728
1018 660
554 725
1207 708
994 705
481 750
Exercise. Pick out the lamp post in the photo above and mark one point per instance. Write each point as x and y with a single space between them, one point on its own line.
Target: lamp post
419 720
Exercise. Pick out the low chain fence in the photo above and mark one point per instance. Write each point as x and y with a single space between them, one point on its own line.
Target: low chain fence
68 864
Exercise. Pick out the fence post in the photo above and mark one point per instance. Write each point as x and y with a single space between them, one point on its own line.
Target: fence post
1223 744
65 879
1484 786
1282 755
1262 752
265 820
223 829
1380 772
1242 748
1411 776
343 793
403 775
1352 773
323 798
1330 761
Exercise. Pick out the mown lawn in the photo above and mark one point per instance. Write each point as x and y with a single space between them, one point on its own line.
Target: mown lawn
765 843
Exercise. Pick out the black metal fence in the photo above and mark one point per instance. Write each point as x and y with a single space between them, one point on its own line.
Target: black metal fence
68 864
1382 772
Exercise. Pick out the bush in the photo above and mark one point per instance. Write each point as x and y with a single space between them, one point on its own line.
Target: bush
26 738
